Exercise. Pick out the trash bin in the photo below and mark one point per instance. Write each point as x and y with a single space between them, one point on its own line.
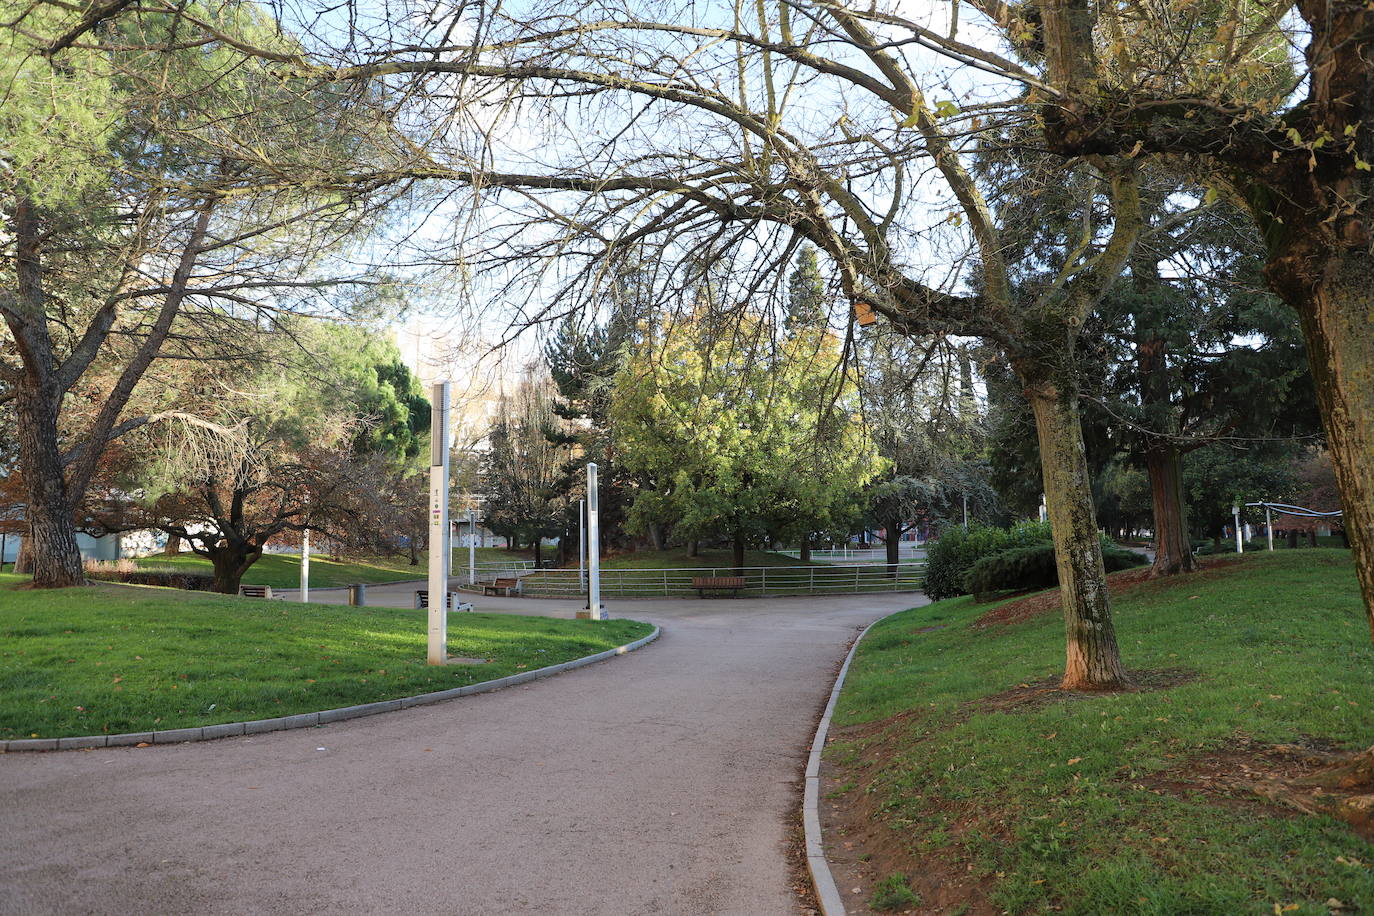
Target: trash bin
357 595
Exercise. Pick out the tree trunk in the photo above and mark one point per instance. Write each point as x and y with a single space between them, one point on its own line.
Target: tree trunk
1312 537
893 543
1292 537
23 559
1173 552
1320 263
538 547
51 543
173 546
414 552
656 535
230 563
694 548
806 549
738 545
1093 660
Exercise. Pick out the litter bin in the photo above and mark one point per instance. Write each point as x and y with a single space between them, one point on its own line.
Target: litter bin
357 595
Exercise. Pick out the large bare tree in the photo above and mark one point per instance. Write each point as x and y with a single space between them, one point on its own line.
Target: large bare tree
147 199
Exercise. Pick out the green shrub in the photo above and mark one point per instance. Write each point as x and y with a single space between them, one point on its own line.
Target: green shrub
894 893
1034 567
166 578
1228 545
953 553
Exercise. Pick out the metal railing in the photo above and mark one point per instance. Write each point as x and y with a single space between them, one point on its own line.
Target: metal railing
759 581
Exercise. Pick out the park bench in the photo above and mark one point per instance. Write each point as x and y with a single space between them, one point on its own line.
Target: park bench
717 583
255 591
499 587
422 601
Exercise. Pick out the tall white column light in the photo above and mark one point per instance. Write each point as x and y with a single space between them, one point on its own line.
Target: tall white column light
594 610
305 566
440 536
472 547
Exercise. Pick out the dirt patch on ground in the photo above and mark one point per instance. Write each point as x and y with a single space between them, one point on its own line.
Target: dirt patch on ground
1120 583
864 850
1035 694
1283 780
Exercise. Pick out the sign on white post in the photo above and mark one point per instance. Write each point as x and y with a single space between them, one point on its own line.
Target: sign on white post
305 566
472 547
594 609
440 536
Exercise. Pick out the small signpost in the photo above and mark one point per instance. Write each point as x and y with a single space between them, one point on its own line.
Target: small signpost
440 537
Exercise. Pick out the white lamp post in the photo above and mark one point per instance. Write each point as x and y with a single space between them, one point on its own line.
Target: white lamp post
305 566
594 610
582 544
440 536
1240 544
472 547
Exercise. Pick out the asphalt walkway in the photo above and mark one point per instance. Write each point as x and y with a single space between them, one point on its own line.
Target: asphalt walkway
661 782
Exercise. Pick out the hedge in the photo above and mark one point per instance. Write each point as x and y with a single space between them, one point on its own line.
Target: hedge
1033 567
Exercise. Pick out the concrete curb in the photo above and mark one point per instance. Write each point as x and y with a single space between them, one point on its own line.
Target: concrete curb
311 719
827 894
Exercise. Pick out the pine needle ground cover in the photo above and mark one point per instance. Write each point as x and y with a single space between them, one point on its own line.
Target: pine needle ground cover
1221 785
111 659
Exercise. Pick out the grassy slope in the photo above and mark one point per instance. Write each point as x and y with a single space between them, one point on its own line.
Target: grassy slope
460 559
676 558
284 570
112 659
1058 801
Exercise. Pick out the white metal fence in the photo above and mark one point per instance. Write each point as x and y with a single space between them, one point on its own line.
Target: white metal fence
759 581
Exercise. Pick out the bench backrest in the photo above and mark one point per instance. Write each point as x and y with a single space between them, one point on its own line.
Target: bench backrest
718 582
504 583
255 591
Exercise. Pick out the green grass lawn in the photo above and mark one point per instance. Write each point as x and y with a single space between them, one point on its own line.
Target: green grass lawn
1119 803
110 659
284 570
676 558
460 559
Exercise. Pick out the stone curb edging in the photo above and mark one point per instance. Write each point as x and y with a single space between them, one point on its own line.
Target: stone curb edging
311 719
827 894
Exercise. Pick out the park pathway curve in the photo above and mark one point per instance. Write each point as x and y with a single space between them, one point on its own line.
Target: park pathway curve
660 782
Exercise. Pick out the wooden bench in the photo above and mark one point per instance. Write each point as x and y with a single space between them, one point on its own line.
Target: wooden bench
255 591
717 583
422 601
499 587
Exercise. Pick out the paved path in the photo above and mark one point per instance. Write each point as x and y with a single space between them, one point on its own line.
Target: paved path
661 782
